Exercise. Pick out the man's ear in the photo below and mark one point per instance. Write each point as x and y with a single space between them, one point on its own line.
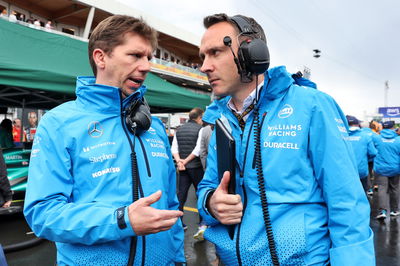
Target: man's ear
99 58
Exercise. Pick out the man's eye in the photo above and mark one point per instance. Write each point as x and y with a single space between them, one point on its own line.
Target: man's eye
215 52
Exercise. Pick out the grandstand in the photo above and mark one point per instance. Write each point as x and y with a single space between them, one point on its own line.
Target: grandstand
40 63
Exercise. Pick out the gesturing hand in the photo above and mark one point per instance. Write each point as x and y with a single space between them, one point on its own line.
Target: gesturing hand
146 220
227 208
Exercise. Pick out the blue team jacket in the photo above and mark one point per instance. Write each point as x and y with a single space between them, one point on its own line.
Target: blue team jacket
79 177
363 147
387 162
318 209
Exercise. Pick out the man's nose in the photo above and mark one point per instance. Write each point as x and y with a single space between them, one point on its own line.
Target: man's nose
207 66
144 65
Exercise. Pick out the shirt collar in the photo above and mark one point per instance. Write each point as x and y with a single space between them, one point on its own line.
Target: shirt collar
247 102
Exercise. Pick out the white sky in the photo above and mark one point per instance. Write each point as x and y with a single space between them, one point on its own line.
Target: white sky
359 41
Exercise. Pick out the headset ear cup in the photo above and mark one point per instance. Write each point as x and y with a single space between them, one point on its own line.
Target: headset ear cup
138 117
255 56
142 117
258 56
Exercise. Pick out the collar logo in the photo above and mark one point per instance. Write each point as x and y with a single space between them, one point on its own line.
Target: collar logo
286 111
95 129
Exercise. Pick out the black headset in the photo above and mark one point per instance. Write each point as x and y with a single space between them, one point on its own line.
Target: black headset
138 117
253 55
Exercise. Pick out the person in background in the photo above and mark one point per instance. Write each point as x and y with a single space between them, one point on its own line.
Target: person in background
6 134
17 131
102 182
370 178
363 148
21 17
13 16
30 21
387 170
298 198
186 151
48 25
204 140
5 188
37 23
375 126
30 131
205 134
208 126
3 13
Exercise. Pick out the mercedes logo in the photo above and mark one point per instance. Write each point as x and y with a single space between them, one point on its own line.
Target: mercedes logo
95 129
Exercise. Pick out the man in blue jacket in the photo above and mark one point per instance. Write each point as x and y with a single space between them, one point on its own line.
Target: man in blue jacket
298 198
387 169
363 147
102 182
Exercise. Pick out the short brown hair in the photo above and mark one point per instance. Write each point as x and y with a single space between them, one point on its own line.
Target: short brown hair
110 33
221 17
195 113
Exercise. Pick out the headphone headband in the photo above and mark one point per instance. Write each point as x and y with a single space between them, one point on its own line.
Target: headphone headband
243 25
253 55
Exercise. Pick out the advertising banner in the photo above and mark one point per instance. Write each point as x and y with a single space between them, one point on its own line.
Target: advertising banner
389 112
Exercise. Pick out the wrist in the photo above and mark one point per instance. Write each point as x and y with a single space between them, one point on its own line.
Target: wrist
208 202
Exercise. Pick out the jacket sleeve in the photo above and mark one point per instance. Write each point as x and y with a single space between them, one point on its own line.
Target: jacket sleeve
372 152
177 229
49 207
209 183
336 174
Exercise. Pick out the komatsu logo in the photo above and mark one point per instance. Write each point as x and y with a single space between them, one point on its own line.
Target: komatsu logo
286 111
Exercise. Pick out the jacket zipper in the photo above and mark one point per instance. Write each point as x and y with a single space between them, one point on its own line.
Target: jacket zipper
133 245
245 154
244 189
261 125
244 195
142 195
240 226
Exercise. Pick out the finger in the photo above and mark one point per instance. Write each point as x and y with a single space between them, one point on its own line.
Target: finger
164 225
167 224
232 221
169 214
232 199
224 210
147 201
223 185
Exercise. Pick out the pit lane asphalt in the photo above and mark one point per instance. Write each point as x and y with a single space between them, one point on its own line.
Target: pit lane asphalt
13 229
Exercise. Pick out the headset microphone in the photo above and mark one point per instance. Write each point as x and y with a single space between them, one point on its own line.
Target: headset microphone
228 42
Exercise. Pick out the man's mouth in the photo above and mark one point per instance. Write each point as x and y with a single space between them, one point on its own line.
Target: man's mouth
212 80
135 82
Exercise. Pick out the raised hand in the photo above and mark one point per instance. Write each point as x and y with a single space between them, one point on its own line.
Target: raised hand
146 220
227 208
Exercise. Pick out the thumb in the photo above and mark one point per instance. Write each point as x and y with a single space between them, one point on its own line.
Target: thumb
223 185
147 201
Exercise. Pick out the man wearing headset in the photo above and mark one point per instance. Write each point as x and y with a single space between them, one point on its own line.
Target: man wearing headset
102 183
297 200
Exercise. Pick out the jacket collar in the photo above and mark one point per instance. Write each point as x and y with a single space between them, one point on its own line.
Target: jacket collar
103 98
276 83
388 134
